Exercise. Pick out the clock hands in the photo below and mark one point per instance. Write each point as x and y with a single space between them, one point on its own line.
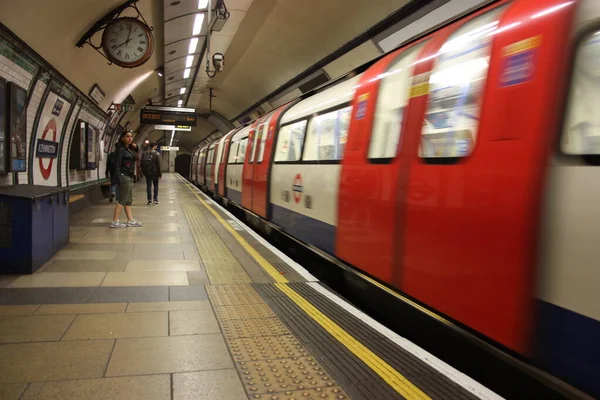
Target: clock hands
127 41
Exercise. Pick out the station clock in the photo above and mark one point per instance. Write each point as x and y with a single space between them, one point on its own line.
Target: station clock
128 42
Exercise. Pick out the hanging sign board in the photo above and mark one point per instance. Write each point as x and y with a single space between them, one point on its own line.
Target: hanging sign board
172 128
171 118
169 148
122 107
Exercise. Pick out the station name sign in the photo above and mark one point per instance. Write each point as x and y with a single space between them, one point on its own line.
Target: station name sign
169 148
46 149
172 116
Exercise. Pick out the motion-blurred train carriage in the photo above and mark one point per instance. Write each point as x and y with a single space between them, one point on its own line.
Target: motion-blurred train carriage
461 169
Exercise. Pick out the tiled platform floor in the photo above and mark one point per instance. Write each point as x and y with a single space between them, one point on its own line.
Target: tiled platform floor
117 314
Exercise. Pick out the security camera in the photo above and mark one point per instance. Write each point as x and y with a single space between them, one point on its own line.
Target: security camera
218 60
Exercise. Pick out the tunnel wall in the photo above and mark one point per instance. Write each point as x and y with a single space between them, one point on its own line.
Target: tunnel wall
50 96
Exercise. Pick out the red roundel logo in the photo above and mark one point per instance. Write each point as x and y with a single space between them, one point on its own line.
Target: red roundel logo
50 128
298 188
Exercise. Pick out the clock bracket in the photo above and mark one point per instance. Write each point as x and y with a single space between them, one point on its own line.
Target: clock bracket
103 22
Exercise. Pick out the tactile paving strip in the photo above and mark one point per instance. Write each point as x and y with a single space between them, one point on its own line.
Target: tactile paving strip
245 328
266 348
221 266
288 374
310 394
274 365
233 295
244 311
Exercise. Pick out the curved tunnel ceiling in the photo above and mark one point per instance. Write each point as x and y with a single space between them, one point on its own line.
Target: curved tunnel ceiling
265 42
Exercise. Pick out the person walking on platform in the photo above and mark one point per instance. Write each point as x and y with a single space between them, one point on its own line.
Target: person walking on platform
151 169
111 173
126 158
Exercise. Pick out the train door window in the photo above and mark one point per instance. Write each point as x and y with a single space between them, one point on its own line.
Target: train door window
254 142
242 150
581 134
392 100
262 139
327 135
456 88
290 141
233 151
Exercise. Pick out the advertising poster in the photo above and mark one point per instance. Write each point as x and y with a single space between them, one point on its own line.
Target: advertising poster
18 128
3 146
82 145
47 140
91 147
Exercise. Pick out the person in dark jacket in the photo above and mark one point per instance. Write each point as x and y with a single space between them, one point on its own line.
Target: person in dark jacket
126 159
111 173
152 171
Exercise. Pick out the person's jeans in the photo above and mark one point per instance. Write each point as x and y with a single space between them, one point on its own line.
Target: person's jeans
149 182
113 189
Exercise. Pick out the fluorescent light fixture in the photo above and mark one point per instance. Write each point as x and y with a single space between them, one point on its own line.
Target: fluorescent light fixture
179 102
193 44
182 90
186 73
198 24
189 61
202 4
172 137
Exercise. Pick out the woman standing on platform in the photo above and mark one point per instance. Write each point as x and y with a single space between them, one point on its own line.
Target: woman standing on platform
126 159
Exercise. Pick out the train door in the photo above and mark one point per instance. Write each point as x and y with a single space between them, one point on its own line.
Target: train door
568 300
223 163
371 168
201 167
235 164
474 189
193 164
248 174
265 146
208 172
218 155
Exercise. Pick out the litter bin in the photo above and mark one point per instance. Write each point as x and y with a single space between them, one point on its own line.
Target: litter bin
61 219
27 223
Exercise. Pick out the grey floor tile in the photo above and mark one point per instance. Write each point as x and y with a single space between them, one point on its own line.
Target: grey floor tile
169 354
33 328
153 387
86 266
49 295
208 385
53 361
196 278
11 391
99 246
192 322
177 293
119 325
174 254
129 294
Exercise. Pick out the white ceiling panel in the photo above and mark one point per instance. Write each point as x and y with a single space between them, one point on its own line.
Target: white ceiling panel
181 48
174 8
181 28
179 64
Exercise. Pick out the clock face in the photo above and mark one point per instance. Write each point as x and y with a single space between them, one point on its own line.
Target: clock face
127 42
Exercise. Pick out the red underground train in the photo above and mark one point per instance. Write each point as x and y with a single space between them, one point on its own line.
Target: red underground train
462 169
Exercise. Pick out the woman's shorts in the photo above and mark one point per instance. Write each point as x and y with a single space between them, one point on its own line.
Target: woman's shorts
125 192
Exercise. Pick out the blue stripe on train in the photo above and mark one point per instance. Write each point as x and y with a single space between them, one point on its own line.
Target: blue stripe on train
234 196
307 229
568 346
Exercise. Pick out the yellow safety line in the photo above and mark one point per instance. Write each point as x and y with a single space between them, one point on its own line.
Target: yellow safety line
396 380
393 378
269 269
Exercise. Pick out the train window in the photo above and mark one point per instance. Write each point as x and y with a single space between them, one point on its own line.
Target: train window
233 151
262 139
290 141
456 88
257 135
209 158
242 150
327 135
392 99
581 134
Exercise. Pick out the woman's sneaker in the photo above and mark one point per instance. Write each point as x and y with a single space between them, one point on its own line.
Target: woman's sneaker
117 224
134 224
155 201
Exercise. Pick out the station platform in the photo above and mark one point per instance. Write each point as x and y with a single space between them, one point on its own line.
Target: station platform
194 305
